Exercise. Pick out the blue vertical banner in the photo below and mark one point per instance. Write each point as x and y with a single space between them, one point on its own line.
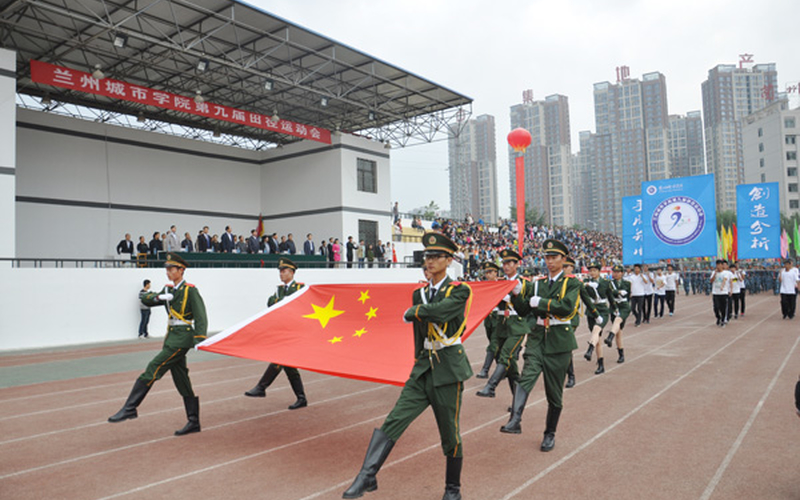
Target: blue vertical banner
632 230
758 217
679 217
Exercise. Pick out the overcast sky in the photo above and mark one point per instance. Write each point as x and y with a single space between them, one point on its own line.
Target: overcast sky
492 51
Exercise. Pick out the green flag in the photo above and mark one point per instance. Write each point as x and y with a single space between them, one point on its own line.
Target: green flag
796 238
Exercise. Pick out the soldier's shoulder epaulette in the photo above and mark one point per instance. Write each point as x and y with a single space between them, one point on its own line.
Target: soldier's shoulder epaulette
300 284
455 283
190 285
571 276
539 278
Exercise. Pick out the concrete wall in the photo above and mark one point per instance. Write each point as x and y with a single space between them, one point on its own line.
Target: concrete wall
58 307
8 110
81 185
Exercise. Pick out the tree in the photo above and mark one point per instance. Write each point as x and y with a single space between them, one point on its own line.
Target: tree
532 215
430 210
726 218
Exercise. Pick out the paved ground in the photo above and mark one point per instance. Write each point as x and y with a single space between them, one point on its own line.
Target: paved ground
696 412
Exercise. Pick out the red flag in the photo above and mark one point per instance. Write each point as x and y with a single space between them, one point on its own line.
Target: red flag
260 227
354 331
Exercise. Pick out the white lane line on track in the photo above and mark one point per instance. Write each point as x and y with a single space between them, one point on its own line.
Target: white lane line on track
712 485
622 419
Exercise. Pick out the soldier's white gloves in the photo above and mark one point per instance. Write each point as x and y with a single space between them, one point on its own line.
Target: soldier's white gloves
507 298
623 293
592 284
517 288
599 320
535 301
165 296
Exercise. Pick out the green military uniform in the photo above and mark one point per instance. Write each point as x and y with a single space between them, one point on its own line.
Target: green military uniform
548 351
509 334
437 378
490 325
591 313
187 326
621 302
273 370
603 298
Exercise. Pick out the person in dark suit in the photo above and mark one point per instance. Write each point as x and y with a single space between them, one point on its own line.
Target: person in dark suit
437 378
308 245
290 246
204 240
330 252
142 247
186 244
228 243
156 244
380 253
272 241
351 246
253 245
125 246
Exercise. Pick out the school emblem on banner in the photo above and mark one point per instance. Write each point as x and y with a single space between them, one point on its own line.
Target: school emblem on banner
678 220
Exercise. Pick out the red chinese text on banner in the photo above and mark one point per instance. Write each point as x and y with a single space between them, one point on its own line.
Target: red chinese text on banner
58 76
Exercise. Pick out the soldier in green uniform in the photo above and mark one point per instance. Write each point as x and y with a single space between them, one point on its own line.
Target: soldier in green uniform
588 309
490 272
622 295
286 268
187 327
553 301
440 368
604 301
510 330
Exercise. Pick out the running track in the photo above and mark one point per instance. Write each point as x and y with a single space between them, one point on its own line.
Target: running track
696 412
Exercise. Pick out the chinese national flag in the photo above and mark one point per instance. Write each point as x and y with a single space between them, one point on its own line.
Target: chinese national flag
260 227
354 331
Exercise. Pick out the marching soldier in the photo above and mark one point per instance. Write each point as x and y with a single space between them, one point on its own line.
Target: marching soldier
187 327
490 271
622 294
553 301
440 368
510 330
287 269
589 309
604 302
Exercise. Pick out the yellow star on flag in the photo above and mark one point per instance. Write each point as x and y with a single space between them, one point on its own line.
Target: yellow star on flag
335 340
324 314
359 333
364 297
373 311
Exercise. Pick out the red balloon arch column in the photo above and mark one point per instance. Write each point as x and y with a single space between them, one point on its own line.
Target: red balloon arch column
520 139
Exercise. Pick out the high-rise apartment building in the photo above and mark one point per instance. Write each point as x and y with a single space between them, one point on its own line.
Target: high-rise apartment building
631 144
473 170
586 184
547 160
729 94
770 149
686 148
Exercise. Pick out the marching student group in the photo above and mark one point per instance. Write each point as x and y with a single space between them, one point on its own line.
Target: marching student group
542 312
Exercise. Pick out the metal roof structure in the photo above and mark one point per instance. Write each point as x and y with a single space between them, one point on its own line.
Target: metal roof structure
235 55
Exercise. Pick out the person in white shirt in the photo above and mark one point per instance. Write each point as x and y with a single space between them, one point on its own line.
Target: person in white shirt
742 280
789 278
736 290
637 293
721 291
672 278
660 293
649 278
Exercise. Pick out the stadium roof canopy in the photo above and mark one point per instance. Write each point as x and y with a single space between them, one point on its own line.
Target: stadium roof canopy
163 44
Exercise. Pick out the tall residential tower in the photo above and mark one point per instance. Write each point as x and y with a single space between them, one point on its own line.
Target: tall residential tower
473 170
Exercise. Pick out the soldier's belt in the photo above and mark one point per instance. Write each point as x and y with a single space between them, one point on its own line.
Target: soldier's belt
437 346
177 322
552 321
604 301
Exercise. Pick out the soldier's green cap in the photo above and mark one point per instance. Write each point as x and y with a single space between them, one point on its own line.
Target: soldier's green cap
285 263
437 243
569 261
618 269
595 265
175 260
509 254
554 247
490 266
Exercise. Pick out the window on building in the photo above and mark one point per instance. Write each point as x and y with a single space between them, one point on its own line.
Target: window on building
367 174
760 147
760 132
794 204
763 177
792 187
788 122
791 171
791 155
368 231
791 139
761 162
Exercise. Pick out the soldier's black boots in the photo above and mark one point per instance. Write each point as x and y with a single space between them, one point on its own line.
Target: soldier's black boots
600 367
570 376
379 447
610 338
269 375
589 351
549 441
497 376
452 487
621 358
487 363
135 398
514 425
297 387
192 406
